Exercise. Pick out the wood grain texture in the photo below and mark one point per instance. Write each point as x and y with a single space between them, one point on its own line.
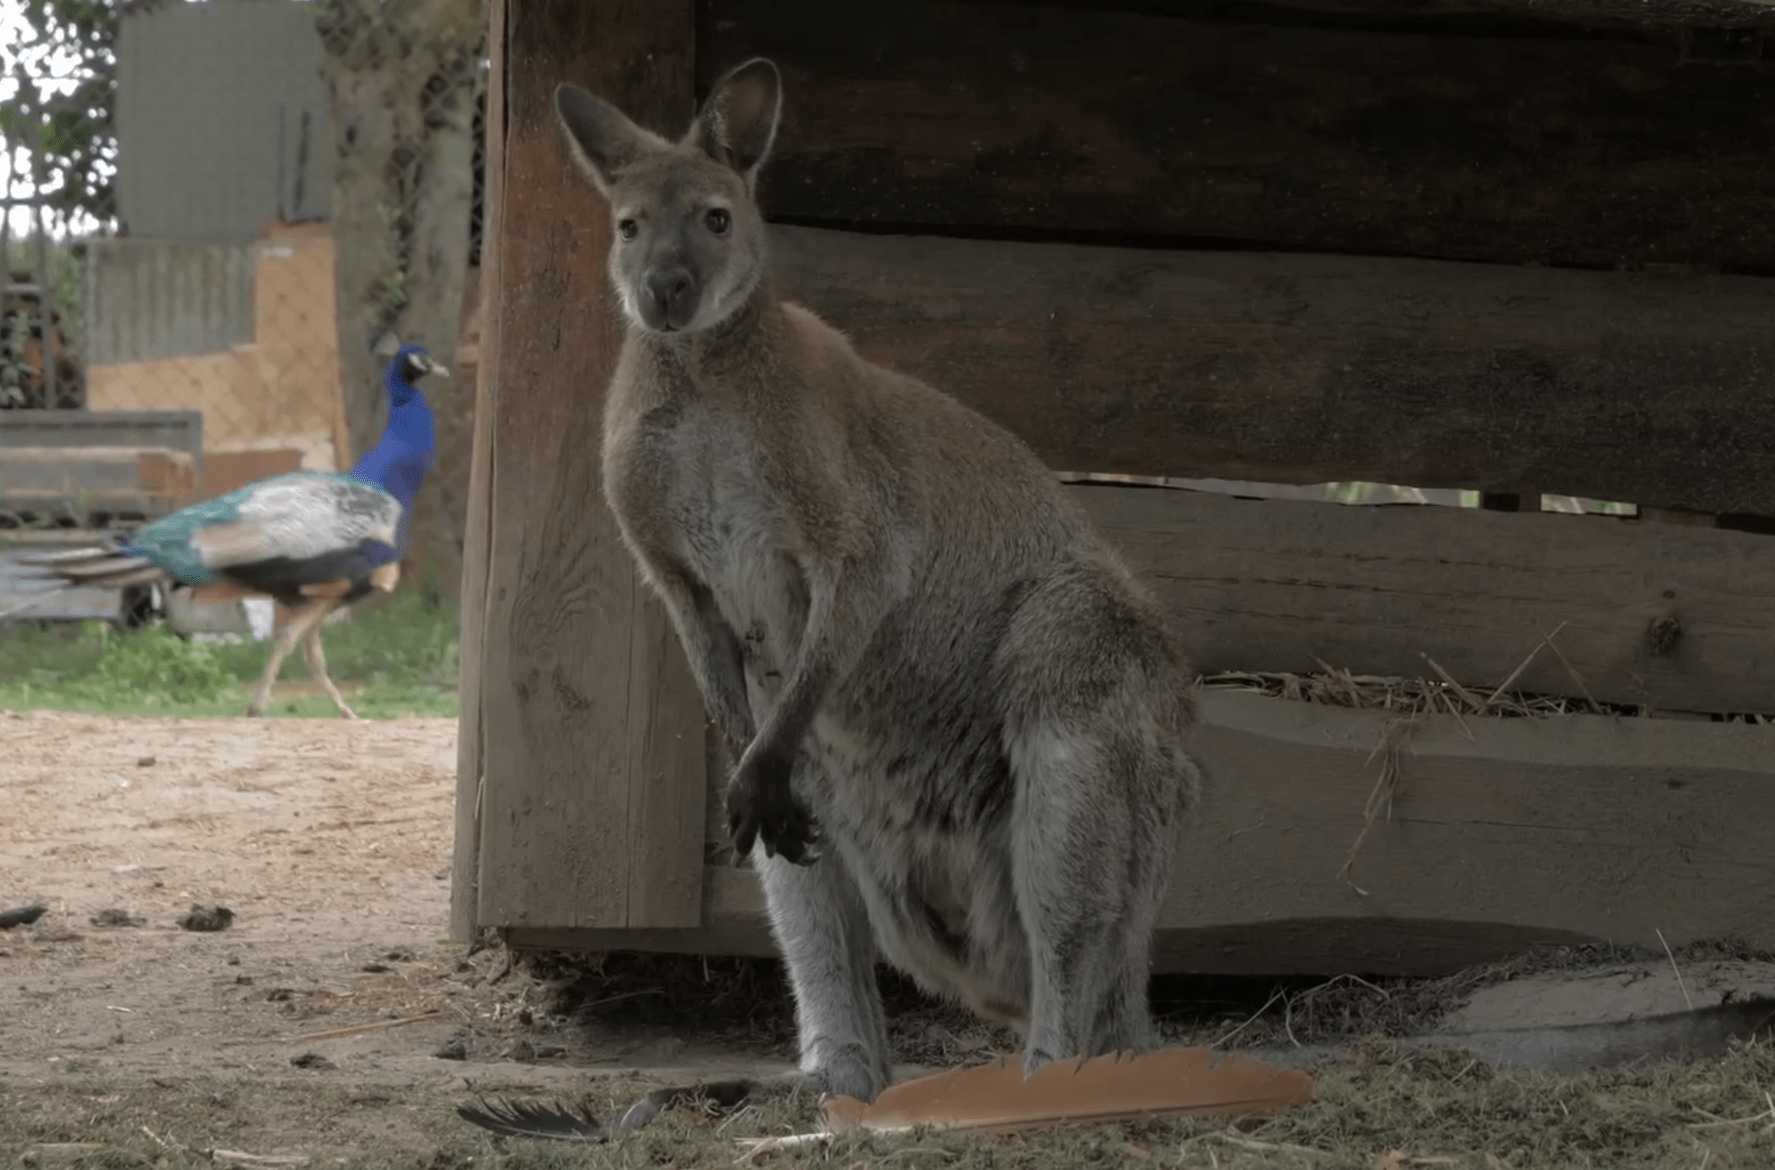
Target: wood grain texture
1533 144
1284 585
1534 832
593 803
477 542
1306 368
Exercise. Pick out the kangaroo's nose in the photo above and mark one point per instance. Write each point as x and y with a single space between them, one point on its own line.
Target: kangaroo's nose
668 287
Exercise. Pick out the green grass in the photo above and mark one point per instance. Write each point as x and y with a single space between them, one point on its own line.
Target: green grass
399 658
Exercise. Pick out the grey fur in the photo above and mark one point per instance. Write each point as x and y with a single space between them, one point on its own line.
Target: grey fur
960 722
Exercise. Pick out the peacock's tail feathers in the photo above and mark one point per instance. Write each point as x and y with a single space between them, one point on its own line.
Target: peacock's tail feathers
70 556
98 567
297 516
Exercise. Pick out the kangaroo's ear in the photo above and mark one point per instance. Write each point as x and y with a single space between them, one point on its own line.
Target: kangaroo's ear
739 121
602 137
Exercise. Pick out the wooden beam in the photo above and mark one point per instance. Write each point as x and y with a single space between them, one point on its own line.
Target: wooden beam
592 732
1557 830
1500 834
1515 143
1307 368
1671 616
477 544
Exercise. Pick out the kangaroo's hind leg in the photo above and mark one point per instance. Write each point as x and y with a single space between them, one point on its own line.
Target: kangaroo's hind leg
822 929
1097 707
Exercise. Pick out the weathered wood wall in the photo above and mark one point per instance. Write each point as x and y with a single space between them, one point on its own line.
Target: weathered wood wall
1653 389
1502 835
1292 584
1142 303
1520 141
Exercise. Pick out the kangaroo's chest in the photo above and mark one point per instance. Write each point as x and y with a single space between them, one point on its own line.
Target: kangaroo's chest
718 517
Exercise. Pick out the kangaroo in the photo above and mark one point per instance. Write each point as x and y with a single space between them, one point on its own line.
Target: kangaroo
960 723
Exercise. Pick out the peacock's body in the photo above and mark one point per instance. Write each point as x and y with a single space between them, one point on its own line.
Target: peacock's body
312 540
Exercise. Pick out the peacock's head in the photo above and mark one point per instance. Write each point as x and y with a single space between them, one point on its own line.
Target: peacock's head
410 364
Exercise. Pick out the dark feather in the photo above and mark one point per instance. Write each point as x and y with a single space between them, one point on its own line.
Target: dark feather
531 1120
283 577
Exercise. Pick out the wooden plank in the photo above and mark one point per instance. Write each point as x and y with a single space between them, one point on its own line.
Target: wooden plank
1514 143
592 728
1717 17
1284 585
1573 830
1534 830
1648 389
477 543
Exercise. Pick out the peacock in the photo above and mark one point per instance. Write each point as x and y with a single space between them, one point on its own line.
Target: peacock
312 540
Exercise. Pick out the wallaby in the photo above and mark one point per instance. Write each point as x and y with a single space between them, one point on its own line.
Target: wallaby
960 724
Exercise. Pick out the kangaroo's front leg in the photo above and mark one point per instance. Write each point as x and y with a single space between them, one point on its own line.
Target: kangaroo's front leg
713 650
845 606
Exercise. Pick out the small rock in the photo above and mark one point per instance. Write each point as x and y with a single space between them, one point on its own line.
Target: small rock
203 917
244 980
312 1060
145 762
455 1048
23 916
117 918
376 968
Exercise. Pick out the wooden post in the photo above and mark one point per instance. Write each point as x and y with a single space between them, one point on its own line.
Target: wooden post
582 781
477 544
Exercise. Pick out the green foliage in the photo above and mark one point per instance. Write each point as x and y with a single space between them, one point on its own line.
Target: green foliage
74 42
397 659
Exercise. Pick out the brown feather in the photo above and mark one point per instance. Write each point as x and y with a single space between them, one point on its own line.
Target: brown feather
996 1098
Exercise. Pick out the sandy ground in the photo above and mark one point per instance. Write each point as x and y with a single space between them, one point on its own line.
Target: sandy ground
330 842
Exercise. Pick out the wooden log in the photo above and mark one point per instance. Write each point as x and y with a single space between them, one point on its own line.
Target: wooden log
1669 616
1501 834
591 731
1516 144
477 543
1304 368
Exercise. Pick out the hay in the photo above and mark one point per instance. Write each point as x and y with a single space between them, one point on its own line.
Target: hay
1404 697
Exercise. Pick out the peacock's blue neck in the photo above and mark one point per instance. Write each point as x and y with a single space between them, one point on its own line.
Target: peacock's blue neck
398 462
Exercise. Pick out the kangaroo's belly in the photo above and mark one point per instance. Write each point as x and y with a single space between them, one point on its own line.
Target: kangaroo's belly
918 809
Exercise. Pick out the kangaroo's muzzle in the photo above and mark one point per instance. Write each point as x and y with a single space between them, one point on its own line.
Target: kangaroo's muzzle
669 299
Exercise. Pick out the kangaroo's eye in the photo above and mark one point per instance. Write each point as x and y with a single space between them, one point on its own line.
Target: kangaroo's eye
717 220
628 229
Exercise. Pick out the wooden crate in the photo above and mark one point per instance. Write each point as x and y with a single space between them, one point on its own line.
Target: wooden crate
1489 251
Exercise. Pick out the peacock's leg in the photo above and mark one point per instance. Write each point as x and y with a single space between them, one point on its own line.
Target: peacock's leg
317 669
307 618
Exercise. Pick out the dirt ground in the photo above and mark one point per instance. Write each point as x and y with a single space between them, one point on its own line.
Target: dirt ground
330 843
331 1019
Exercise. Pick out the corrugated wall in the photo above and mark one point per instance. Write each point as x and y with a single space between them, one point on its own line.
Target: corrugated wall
159 299
229 94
